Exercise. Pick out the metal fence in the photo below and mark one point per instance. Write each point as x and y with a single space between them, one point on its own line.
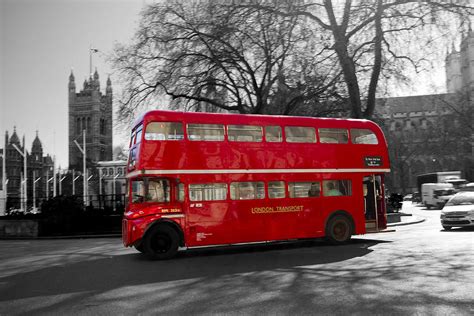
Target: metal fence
107 202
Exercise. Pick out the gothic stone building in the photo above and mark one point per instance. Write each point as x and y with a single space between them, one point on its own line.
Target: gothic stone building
90 110
38 166
433 132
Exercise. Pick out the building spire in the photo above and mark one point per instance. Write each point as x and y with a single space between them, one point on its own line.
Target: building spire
91 51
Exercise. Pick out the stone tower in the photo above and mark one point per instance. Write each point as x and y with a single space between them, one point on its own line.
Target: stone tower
453 71
460 65
467 60
90 110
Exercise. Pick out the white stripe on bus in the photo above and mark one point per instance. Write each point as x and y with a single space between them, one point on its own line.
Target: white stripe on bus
247 171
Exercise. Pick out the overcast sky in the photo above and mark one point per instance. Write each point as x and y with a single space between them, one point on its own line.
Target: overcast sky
41 40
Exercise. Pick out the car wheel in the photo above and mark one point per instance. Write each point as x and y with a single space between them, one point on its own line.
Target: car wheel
447 227
339 229
161 243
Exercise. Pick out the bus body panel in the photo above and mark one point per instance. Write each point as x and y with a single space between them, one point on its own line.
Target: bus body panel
269 219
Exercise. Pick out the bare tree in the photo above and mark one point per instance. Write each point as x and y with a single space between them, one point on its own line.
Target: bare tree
233 58
374 38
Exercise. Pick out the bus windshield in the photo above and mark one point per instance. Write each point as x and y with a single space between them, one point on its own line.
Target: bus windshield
150 190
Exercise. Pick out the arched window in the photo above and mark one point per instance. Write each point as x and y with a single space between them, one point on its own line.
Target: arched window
78 126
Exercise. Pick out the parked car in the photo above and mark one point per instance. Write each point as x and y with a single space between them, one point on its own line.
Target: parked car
416 197
458 211
408 197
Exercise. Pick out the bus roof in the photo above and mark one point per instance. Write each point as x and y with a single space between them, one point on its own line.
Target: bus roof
157 115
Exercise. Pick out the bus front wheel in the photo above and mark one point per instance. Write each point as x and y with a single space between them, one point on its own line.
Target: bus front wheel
339 229
161 242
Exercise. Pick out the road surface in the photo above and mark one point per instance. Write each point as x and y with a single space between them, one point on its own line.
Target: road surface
418 269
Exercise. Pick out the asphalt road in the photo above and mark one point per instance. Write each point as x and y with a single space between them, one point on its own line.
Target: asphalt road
419 269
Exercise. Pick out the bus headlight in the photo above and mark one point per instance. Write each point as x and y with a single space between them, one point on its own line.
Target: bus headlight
134 214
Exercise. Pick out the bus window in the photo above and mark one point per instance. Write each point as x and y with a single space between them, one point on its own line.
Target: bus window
276 189
247 190
180 197
206 132
295 134
208 192
138 191
244 133
164 131
158 191
363 136
138 137
150 190
304 189
337 188
333 135
273 134
132 138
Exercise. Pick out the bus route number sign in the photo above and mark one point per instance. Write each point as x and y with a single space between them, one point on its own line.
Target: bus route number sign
374 161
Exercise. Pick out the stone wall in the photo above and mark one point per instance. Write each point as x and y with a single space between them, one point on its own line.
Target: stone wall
18 228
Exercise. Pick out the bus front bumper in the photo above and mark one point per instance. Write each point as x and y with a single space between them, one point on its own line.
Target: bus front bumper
132 231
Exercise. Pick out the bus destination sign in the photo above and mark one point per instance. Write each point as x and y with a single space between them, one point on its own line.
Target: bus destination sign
373 161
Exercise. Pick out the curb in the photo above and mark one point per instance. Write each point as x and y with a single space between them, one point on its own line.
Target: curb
416 220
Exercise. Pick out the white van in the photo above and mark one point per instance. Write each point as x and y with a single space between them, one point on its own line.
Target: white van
436 194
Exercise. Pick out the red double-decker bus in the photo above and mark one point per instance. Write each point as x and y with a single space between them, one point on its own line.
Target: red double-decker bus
201 179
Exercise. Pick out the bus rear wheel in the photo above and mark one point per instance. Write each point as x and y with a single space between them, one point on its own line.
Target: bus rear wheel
161 243
339 229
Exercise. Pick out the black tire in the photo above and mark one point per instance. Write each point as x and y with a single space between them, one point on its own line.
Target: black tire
339 229
447 227
139 247
161 242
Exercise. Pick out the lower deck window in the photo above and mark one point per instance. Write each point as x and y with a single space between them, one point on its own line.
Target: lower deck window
150 190
208 192
247 190
304 189
337 187
276 189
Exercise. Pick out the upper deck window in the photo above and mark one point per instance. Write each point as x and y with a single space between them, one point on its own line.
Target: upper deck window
244 133
136 135
363 136
333 135
206 132
273 134
295 134
164 131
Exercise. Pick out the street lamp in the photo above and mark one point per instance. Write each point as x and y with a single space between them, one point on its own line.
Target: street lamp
88 178
74 181
47 184
34 190
4 178
61 179
25 194
84 175
114 192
